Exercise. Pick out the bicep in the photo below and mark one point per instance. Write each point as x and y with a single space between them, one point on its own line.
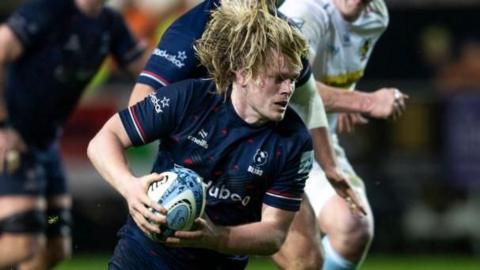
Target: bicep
278 218
115 128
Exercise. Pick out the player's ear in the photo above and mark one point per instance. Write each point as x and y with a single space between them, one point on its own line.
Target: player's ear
241 78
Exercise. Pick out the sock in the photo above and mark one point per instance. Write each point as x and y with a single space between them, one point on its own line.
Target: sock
333 260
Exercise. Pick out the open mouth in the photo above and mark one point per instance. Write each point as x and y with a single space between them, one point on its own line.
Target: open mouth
282 103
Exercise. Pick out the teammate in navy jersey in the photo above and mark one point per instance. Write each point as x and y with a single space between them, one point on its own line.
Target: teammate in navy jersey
236 131
49 50
174 59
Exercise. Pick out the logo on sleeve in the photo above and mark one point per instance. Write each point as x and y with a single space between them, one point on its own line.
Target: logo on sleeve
305 165
259 159
178 60
159 104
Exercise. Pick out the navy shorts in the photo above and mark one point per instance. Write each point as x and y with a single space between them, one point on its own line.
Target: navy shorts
41 173
135 251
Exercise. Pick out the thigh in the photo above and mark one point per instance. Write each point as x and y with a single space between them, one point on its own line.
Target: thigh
28 180
336 218
22 205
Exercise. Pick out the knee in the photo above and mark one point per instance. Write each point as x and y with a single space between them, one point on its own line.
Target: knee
21 247
311 261
355 232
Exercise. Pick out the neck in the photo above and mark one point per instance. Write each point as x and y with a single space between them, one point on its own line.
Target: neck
90 9
243 109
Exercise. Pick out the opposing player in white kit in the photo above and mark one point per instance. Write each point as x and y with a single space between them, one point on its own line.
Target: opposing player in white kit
342 34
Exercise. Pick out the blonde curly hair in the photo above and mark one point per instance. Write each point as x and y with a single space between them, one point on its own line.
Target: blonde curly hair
242 35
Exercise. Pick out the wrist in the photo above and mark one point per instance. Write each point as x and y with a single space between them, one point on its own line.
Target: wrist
367 103
221 240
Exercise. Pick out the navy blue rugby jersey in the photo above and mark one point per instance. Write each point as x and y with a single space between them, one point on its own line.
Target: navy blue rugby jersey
174 57
243 166
63 49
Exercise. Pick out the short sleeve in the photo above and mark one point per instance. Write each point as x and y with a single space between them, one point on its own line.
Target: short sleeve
312 20
33 20
286 190
172 60
158 114
124 47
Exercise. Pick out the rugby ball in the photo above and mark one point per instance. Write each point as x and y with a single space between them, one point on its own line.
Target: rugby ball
182 193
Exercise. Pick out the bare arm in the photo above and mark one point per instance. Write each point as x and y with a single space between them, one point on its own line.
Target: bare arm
309 105
139 92
382 103
258 238
106 152
10 141
10 49
325 156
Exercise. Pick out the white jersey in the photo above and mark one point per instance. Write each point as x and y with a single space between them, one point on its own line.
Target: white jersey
339 50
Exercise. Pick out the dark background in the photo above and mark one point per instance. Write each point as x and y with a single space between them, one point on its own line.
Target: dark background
422 171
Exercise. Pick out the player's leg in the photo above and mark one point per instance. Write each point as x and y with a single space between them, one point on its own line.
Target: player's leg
22 224
347 236
22 212
302 247
58 246
59 218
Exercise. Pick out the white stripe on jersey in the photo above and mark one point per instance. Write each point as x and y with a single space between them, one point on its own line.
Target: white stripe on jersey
130 111
283 197
159 80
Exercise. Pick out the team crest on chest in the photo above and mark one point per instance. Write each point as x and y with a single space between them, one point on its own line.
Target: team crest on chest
259 160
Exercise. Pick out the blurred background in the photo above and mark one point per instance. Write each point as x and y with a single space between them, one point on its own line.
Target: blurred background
422 171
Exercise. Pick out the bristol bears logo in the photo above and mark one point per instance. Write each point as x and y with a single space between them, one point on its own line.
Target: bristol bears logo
259 159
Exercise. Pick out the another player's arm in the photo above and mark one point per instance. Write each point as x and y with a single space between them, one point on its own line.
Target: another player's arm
10 49
258 238
382 103
106 152
309 105
139 92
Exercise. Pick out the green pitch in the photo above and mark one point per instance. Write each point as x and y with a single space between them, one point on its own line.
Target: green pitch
93 262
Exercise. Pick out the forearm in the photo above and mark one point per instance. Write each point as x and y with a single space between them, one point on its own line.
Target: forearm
106 152
257 238
323 149
10 50
340 100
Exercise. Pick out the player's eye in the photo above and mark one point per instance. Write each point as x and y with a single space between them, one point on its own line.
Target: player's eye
281 79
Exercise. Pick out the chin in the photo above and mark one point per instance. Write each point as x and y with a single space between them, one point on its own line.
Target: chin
277 118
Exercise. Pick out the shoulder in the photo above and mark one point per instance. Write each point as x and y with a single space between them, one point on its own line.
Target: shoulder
305 12
379 8
375 17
